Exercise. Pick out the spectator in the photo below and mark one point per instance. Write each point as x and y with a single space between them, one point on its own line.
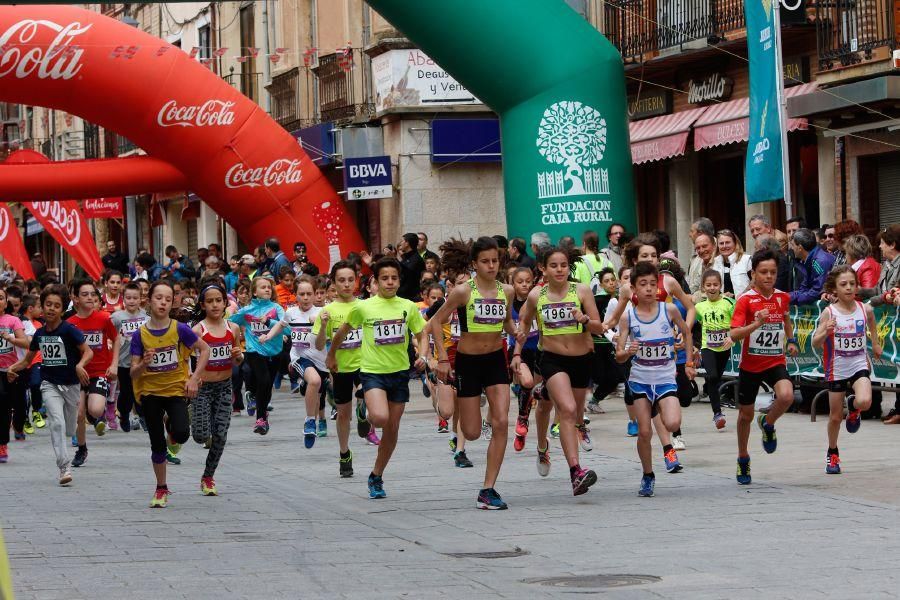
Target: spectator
702 225
615 237
38 265
213 268
732 263
589 269
843 230
423 250
813 265
249 268
793 224
234 274
704 259
783 278
300 260
113 259
830 244
518 254
567 242
411 267
263 262
180 266
540 242
503 251
276 256
202 255
760 224
9 274
858 250
147 267
889 244
665 246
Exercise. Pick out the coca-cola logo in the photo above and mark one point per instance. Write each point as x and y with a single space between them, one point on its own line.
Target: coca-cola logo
59 60
211 113
283 171
4 222
66 222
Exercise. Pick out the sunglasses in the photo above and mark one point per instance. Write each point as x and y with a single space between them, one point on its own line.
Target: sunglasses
829 236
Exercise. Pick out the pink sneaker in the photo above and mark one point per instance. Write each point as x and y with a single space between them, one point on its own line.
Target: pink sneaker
111 420
372 438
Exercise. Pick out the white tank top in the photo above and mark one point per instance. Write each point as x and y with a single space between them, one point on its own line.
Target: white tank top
654 362
845 350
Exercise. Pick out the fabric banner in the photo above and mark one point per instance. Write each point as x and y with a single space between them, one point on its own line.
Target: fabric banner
809 363
11 247
103 208
764 179
63 220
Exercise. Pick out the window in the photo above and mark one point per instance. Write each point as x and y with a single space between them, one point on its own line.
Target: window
249 86
284 93
204 42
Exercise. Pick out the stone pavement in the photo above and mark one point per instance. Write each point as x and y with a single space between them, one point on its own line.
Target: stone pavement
286 526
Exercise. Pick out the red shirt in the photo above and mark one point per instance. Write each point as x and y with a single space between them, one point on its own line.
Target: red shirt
764 348
99 333
112 307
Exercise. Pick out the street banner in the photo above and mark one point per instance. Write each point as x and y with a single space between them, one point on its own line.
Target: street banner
63 220
11 247
103 208
764 178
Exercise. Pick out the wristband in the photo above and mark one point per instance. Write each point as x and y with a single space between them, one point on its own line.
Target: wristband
515 354
792 340
443 362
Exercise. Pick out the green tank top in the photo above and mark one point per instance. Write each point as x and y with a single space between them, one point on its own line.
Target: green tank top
483 315
555 316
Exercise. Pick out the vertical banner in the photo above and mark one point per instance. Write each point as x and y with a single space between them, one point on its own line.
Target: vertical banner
11 246
764 180
63 220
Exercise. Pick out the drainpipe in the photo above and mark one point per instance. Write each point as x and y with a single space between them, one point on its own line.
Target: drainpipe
267 72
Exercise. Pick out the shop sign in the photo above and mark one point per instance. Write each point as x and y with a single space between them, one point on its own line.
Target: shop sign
714 88
412 78
103 208
796 70
649 104
368 178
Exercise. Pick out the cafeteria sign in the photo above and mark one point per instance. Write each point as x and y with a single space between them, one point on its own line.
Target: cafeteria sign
103 208
368 178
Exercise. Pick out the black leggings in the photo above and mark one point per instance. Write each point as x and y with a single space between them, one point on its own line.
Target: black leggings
34 386
155 409
606 372
126 393
240 376
714 363
263 369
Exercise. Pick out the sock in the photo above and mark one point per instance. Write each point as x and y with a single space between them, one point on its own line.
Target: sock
833 451
544 450
851 404
677 433
82 447
345 454
162 487
650 475
574 469
666 448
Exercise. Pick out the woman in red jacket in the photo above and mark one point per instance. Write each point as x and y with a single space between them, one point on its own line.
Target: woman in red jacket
858 249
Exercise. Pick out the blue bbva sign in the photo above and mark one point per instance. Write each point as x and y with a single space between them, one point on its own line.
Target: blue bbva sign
368 178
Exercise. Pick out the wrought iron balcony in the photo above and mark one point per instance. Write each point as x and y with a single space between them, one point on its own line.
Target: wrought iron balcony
343 81
640 29
849 31
248 83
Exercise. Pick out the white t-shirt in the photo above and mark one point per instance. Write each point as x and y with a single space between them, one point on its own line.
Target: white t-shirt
28 329
303 342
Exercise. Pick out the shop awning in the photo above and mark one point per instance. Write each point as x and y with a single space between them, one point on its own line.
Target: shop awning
662 137
729 122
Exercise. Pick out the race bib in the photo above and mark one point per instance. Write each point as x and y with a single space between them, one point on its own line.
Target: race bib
53 351
454 330
300 336
5 346
849 344
94 339
219 354
716 338
389 331
258 328
653 353
558 315
353 340
489 311
768 340
128 328
164 359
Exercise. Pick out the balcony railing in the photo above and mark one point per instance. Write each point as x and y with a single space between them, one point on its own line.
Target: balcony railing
247 83
342 85
642 28
848 31
285 93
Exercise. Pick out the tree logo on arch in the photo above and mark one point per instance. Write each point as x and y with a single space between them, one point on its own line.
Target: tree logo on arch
572 134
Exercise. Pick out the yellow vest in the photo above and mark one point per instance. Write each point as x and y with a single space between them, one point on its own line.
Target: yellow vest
168 371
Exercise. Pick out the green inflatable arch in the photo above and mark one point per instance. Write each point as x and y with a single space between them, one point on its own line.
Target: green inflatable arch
559 88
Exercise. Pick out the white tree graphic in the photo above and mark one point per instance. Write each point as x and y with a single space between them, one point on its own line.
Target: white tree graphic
572 134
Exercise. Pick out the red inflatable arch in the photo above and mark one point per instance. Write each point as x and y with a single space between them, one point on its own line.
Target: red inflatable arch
233 155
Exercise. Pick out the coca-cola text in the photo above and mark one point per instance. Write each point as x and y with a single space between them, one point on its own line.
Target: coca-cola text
59 60
283 171
211 113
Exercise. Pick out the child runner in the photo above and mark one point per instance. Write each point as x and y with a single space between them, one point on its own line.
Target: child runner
30 378
99 334
527 374
126 322
11 408
262 324
481 365
714 315
761 316
111 300
212 409
65 356
650 325
160 353
842 332
240 375
286 296
386 322
606 373
566 315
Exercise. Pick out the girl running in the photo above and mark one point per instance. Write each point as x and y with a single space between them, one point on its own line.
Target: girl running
481 366
714 315
566 316
240 375
126 322
842 333
527 374
212 409
12 332
111 300
160 353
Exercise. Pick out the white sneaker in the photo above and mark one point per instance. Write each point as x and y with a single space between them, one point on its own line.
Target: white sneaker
678 443
486 431
543 462
65 476
585 439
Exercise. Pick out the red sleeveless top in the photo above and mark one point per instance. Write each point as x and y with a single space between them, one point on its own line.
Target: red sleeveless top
219 349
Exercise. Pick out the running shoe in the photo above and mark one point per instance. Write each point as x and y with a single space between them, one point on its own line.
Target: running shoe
554 431
519 442
259 427
100 428
19 436
672 463
207 444
743 470
65 476
543 462
489 499
137 423
125 424
38 420
461 460
345 465
80 456
584 437
719 420
854 419
538 392
208 486
594 408
160 498
632 429
522 426
376 487
582 480
678 443
452 444
143 423
309 432
833 464
110 416
333 414
323 428
250 402
171 458
173 448
372 438
647 485
74 441
486 431
426 391
4 453
443 426
362 423
769 441
28 428
277 382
